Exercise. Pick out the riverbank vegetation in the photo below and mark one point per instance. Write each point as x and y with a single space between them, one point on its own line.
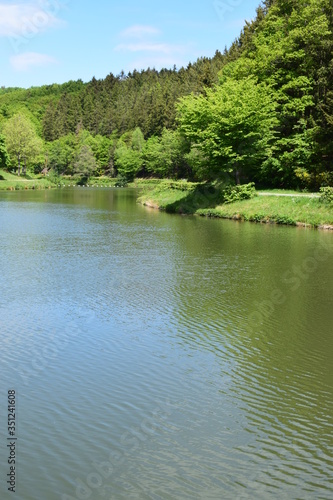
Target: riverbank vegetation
240 203
293 211
10 182
260 111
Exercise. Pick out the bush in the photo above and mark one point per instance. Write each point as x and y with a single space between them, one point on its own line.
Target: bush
313 180
122 181
54 177
239 192
326 195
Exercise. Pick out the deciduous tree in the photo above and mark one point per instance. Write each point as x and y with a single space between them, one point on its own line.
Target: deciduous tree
23 143
230 128
4 157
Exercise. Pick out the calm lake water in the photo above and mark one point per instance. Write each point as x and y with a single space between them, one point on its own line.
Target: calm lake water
162 357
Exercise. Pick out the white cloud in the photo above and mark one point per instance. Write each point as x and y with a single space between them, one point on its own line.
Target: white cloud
153 53
27 19
139 31
23 62
140 41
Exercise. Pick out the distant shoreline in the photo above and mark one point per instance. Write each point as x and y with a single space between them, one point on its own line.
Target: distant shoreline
188 198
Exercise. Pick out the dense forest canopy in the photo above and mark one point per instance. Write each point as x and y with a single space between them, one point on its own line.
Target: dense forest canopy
261 110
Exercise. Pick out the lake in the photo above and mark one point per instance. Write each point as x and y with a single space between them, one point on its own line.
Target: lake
158 356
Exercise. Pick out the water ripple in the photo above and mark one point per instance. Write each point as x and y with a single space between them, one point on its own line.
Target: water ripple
131 339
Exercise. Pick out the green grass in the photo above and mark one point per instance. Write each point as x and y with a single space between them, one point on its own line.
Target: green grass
281 210
102 181
179 196
194 198
171 196
201 199
12 182
75 180
7 176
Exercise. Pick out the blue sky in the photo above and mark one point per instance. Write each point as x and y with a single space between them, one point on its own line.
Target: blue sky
53 41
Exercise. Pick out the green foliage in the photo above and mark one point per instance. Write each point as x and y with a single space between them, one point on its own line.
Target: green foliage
293 52
121 181
230 128
239 192
102 150
61 154
261 111
54 177
4 156
165 156
310 179
85 164
121 103
137 140
199 163
22 141
128 155
326 195
10 182
127 160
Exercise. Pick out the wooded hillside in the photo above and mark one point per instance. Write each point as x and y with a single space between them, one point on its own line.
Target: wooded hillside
260 111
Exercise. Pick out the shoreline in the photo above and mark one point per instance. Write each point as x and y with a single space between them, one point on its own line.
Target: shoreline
239 218
188 198
290 208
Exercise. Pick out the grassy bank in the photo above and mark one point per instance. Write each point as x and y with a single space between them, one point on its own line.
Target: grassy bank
75 180
287 210
10 182
192 198
182 197
176 196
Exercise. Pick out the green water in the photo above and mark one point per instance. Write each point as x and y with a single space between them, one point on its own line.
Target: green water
162 357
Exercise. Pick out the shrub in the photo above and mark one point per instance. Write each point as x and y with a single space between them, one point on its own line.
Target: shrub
54 177
122 181
326 195
239 192
313 180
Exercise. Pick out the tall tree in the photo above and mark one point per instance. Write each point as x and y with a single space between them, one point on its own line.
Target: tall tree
85 164
23 143
165 156
4 157
230 129
128 154
61 154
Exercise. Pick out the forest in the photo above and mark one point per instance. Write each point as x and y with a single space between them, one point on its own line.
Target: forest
259 111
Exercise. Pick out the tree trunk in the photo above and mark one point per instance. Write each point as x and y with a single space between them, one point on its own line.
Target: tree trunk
237 175
19 165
